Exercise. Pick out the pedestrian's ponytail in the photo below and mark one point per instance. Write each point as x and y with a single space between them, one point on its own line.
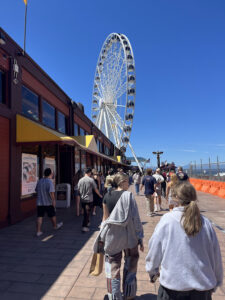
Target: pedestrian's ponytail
191 219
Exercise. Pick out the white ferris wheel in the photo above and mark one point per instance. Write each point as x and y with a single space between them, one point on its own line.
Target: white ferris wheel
114 91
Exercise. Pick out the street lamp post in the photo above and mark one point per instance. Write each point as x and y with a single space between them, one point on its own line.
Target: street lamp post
158 153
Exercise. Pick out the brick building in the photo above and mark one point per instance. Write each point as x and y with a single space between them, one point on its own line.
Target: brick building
40 126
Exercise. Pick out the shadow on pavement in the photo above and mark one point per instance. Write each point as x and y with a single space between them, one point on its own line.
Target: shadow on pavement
30 266
147 297
141 297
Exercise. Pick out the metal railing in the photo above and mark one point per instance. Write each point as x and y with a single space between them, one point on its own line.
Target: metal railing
209 171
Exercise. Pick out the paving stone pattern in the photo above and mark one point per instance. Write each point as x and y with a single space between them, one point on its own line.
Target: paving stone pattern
56 265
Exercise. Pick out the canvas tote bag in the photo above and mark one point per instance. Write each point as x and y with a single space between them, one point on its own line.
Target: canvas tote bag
97 261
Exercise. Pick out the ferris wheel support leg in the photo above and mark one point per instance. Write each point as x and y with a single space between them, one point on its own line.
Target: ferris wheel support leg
135 157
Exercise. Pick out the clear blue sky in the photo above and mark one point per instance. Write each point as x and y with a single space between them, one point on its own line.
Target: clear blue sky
179 50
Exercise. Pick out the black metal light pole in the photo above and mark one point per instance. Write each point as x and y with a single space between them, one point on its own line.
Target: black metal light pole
158 153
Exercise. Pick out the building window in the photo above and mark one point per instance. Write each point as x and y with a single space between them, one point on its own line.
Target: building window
30 104
82 131
99 144
107 151
61 122
48 114
76 129
2 87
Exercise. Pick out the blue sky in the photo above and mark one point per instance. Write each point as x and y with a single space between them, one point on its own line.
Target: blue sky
179 51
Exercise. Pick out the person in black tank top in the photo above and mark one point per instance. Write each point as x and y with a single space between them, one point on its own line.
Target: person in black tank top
131 256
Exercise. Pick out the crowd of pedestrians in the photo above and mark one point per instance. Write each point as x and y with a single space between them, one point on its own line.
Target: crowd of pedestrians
183 251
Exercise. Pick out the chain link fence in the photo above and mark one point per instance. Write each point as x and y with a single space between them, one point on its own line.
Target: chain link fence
208 171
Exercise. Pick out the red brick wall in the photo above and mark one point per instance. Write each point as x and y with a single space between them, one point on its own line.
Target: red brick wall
4 61
28 205
4 172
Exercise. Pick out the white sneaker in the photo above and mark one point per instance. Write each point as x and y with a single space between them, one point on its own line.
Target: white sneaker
85 229
59 225
39 233
152 214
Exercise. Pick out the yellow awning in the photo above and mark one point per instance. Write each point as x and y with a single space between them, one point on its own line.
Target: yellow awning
28 131
87 141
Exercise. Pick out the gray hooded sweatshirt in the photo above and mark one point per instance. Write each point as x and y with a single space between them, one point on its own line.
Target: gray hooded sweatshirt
123 228
187 262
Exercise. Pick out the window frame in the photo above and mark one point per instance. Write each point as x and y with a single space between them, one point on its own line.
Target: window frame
42 113
74 131
38 105
59 112
4 86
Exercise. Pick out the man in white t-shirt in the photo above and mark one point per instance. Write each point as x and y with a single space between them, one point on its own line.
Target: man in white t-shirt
137 181
159 179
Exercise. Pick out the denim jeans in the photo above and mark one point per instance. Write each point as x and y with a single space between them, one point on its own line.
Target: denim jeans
112 269
87 209
137 188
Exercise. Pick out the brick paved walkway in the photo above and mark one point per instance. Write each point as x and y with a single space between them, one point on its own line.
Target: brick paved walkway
56 265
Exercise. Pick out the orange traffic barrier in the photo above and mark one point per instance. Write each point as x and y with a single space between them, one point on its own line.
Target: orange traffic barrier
216 188
199 185
206 186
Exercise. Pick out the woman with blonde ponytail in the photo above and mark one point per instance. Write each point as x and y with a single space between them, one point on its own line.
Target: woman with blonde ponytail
185 246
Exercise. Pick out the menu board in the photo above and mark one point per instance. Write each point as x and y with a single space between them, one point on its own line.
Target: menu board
29 173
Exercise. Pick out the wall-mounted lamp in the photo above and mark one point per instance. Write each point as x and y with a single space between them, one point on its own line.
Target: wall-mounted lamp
15 71
2 39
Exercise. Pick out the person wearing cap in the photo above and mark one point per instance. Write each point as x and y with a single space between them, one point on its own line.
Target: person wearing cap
181 175
149 183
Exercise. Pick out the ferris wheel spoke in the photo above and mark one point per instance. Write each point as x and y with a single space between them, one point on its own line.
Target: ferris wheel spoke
106 125
117 59
122 90
117 73
120 77
97 120
117 125
117 117
113 61
112 125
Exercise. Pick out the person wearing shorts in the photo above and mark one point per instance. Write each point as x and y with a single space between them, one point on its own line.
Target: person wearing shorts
46 201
